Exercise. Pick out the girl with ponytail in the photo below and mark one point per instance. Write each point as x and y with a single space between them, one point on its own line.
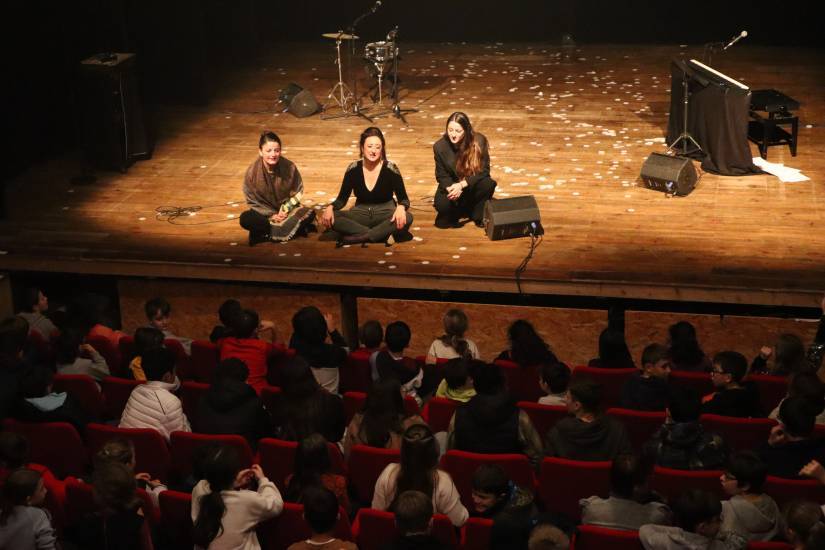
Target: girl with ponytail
225 509
452 343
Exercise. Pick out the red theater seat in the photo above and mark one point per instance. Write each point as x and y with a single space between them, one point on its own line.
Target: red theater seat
191 394
277 459
364 466
438 412
590 537
739 433
522 382
204 361
611 380
462 465
151 450
84 389
772 390
175 519
784 490
476 534
698 381
671 483
109 351
356 374
291 527
354 402
116 392
55 445
184 446
641 425
543 417
563 482
374 528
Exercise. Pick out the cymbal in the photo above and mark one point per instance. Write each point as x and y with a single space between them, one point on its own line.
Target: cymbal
342 35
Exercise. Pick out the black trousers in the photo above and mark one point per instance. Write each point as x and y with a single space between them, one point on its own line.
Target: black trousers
372 219
470 204
255 222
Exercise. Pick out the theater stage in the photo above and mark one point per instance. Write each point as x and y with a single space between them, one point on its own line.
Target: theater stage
571 128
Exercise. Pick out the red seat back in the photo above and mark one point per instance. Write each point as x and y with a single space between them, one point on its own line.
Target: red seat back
191 394
522 382
182 362
109 351
375 528
85 391
204 360
438 412
55 445
184 447
356 375
590 537
126 347
756 545
354 402
671 483
641 425
543 417
784 490
116 392
270 395
365 465
151 450
277 459
291 527
772 390
175 519
278 357
698 381
739 433
80 502
461 466
563 482
477 533
611 380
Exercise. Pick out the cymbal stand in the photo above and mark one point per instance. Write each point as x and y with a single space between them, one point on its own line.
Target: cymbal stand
685 136
396 109
340 93
356 105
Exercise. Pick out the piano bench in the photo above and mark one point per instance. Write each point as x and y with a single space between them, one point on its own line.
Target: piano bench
766 132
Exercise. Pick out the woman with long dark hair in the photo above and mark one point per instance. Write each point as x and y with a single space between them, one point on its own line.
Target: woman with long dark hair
527 347
310 331
225 512
313 468
383 420
613 351
685 352
273 188
462 168
381 204
452 343
305 408
418 471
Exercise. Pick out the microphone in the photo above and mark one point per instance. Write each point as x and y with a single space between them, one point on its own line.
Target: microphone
378 5
736 39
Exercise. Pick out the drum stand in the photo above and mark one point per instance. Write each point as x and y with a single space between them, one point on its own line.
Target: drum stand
396 109
685 136
340 93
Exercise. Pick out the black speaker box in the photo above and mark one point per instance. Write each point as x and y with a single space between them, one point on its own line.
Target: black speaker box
512 218
298 101
670 174
114 133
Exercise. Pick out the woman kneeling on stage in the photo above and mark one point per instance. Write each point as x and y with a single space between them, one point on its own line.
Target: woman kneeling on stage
374 180
273 188
462 168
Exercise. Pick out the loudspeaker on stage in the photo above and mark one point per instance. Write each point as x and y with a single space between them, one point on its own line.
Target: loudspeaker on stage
299 101
670 174
512 218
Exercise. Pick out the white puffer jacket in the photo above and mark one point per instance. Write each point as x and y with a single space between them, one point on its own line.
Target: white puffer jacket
152 405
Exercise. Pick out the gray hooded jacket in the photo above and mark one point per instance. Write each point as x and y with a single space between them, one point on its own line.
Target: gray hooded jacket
759 520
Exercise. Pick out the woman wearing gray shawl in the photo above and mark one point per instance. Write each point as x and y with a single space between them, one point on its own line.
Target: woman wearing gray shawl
273 188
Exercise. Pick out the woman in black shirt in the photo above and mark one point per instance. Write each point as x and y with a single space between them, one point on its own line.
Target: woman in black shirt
462 168
374 180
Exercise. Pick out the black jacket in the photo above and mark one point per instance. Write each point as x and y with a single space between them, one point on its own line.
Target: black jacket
445 162
645 394
415 542
70 411
324 356
321 413
786 460
602 439
232 407
741 402
488 424
687 446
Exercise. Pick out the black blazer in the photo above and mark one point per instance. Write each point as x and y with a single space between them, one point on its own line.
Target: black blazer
445 161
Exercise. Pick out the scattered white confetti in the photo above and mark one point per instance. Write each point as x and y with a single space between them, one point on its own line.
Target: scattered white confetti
456 256
203 166
391 266
423 262
282 254
227 260
419 239
387 253
233 244
71 191
631 209
381 262
65 208
4 252
230 216
142 218
297 254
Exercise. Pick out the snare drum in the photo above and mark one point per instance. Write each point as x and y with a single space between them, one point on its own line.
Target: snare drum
380 51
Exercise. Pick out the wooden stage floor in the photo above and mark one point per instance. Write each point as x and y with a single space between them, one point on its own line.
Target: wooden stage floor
572 131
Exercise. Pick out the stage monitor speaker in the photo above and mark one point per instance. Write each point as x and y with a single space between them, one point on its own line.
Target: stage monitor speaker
512 218
298 101
671 174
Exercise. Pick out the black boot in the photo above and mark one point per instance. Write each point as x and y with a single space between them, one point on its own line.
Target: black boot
256 238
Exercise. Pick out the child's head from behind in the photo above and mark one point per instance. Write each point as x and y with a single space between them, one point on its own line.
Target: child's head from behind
397 336
413 512
698 511
554 377
371 334
457 372
23 487
321 509
159 364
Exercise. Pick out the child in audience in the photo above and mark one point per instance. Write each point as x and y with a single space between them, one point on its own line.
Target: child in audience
527 348
146 338
370 335
226 506
452 343
512 508
789 357
226 313
804 525
697 517
807 385
553 380
14 454
321 513
749 511
545 536
414 519
72 356
122 451
629 505
153 405
311 329
22 523
391 363
733 396
313 469
792 443
159 314
40 403
458 381
613 351
245 345
36 305
684 349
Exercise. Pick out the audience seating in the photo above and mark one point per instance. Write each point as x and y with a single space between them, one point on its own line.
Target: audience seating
84 389
126 347
80 502
55 445
364 466
563 482
375 528
611 380
270 395
190 395
641 425
739 433
182 363
772 390
278 357
476 534
356 375
756 545
785 490
184 448
698 381
438 412
151 451
590 537
461 466
354 402
110 352
543 417
290 527
204 361
277 459
37 343
671 483
175 519
116 392
522 382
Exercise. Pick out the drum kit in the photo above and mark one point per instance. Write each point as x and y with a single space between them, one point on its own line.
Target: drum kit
382 59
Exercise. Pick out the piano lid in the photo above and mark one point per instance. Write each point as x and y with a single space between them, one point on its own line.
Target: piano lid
715 76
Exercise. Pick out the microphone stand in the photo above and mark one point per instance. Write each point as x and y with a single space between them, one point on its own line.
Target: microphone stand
356 101
396 109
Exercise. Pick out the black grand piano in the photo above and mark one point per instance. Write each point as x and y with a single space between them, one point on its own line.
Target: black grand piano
718 108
